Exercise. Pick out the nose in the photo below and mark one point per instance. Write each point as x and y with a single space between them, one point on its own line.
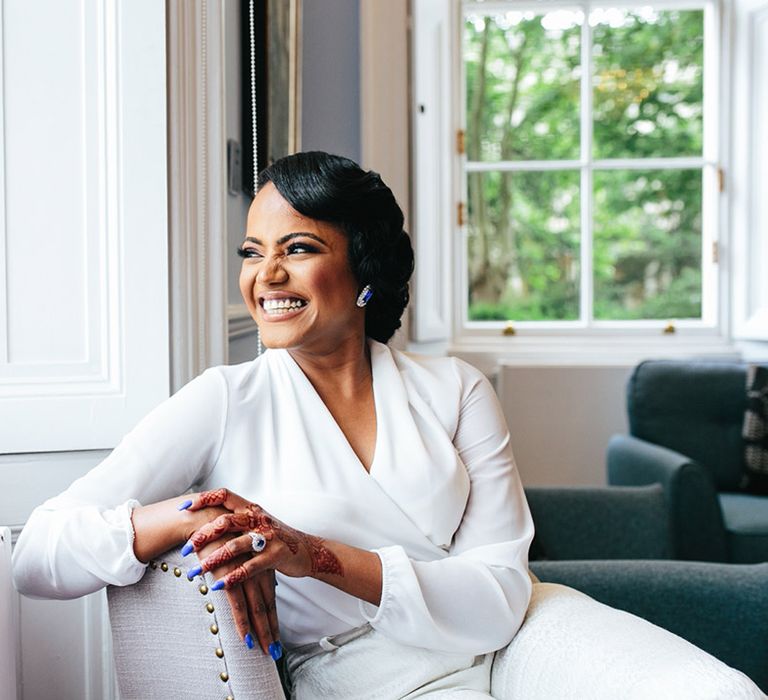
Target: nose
272 271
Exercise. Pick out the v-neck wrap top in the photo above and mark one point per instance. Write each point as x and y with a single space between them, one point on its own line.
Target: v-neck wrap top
442 505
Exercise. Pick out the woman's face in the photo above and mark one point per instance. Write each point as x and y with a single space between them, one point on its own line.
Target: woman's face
295 278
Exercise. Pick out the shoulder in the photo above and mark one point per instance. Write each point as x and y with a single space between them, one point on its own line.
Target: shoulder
439 369
235 378
448 385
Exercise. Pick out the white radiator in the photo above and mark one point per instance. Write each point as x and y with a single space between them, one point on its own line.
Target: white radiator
8 635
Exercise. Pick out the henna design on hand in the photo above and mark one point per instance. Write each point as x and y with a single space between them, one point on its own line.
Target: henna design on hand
237 575
324 561
219 557
213 498
253 517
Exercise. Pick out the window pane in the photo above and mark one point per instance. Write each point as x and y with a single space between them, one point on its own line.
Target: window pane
647 244
522 72
523 246
648 82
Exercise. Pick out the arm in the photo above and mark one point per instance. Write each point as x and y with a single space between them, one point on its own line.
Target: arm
697 523
83 539
474 600
291 552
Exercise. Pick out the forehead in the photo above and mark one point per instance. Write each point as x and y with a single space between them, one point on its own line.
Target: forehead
271 216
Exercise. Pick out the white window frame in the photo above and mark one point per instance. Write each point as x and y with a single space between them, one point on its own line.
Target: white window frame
708 163
583 338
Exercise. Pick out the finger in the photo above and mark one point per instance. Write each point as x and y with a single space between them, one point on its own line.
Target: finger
227 552
267 584
242 572
223 524
217 497
257 612
240 615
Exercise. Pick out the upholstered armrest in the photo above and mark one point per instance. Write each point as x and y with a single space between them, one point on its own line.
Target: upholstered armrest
175 638
721 608
600 523
698 532
571 646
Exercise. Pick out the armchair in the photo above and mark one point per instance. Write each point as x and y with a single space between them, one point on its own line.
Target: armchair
175 637
685 421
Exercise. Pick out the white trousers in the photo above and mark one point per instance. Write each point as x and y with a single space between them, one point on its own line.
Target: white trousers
569 647
371 666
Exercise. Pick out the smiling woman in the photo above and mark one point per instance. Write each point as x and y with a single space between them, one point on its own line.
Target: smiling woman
377 487
296 280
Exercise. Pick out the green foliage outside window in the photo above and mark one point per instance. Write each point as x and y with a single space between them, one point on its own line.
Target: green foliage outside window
523 83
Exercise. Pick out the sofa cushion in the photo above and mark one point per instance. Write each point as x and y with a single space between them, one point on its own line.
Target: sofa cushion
617 522
695 408
746 522
756 430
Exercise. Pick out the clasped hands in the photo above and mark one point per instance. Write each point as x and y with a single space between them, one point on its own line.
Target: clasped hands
225 547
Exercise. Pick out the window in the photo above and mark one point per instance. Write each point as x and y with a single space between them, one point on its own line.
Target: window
591 167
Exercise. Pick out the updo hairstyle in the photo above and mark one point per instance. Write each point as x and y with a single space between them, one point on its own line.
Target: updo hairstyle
337 190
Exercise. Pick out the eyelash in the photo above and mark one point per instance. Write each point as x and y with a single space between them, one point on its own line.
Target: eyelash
294 248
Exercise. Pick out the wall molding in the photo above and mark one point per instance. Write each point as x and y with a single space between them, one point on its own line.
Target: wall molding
749 211
197 186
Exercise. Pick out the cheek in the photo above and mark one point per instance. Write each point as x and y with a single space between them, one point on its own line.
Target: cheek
334 286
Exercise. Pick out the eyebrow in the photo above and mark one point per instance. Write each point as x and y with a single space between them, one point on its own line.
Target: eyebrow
289 236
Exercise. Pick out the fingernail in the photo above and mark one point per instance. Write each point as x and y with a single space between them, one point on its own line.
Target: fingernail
218 585
185 505
249 641
195 571
186 549
275 650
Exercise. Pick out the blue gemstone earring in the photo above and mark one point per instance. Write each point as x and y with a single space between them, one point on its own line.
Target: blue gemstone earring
365 296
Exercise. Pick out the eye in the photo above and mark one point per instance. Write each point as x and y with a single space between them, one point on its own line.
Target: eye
298 248
248 252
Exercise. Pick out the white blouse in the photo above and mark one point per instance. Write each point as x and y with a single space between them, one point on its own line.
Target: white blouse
442 506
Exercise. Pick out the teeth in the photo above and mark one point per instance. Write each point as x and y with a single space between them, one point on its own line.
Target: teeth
281 306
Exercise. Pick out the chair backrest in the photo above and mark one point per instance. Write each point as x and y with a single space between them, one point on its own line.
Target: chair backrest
175 638
614 522
8 634
695 408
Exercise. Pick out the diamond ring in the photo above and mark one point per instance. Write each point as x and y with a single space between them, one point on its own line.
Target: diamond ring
258 541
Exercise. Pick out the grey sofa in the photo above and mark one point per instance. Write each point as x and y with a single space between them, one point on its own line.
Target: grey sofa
614 544
173 638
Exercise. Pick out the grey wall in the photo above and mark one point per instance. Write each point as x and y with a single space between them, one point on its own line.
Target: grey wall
330 110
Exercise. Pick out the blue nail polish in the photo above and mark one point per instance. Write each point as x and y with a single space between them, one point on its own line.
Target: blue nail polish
185 505
217 586
275 650
249 641
195 571
187 549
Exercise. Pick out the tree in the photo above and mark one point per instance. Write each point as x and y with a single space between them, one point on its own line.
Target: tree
523 87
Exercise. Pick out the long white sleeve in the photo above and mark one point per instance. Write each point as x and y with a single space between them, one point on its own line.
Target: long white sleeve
82 539
473 600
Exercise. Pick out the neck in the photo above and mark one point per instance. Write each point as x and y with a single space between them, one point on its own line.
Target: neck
345 367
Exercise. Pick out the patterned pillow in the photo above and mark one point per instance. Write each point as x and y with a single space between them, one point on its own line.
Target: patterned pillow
755 431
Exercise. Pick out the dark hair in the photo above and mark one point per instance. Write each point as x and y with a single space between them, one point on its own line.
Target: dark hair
337 190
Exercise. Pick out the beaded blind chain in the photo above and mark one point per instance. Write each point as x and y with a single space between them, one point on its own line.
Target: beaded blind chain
254 134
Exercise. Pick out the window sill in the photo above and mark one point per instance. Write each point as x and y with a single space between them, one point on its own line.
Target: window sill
487 352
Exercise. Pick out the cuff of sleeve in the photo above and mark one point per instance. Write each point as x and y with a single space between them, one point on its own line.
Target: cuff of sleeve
121 519
389 565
